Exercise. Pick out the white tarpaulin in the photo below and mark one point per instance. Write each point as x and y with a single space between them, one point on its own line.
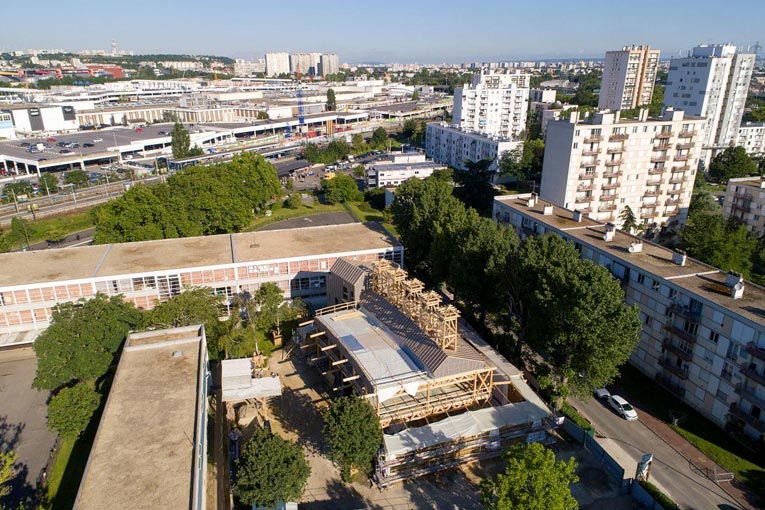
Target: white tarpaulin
238 383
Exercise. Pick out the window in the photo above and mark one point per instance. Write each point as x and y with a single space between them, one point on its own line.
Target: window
647 320
714 336
690 327
655 285
640 278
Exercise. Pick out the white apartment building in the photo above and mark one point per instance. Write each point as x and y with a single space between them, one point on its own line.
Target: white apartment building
398 168
605 163
629 76
751 136
247 68
703 333
329 64
493 104
277 63
745 200
305 63
452 146
712 82
542 95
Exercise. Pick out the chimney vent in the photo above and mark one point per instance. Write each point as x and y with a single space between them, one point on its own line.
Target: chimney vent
733 278
738 291
679 257
532 200
610 232
577 216
635 247
177 354
548 210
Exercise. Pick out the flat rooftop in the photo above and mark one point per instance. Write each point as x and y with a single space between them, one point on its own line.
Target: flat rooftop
143 454
698 278
65 264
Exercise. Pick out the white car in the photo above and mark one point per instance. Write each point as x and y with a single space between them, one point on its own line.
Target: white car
97 140
622 407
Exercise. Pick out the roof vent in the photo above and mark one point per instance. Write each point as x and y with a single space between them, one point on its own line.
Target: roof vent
609 233
532 200
548 210
738 291
635 247
679 257
733 278
177 354
577 216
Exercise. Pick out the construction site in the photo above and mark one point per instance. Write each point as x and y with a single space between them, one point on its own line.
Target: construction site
439 394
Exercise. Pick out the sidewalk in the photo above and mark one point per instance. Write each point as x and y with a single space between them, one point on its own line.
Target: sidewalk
698 460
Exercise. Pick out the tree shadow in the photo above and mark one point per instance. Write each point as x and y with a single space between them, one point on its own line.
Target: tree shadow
341 497
22 491
448 489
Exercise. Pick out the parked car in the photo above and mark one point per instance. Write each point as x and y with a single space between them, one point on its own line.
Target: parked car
98 140
602 393
86 144
622 407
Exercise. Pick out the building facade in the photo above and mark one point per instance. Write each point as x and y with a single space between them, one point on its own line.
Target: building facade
452 146
745 201
629 76
751 136
712 82
399 168
306 64
604 164
277 63
329 64
493 104
703 333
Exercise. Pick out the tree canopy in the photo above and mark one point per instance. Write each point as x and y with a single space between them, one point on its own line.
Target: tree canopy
180 141
525 161
334 151
341 188
628 219
724 244
730 163
7 471
82 340
70 410
352 431
532 480
331 104
270 469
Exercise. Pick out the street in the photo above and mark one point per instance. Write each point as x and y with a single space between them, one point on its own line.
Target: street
628 441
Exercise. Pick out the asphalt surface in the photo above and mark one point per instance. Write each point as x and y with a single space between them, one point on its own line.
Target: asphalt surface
80 238
317 220
688 487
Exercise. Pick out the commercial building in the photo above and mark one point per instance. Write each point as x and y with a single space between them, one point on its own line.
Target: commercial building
398 168
745 201
605 163
35 118
153 271
150 450
751 136
493 104
628 78
329 64
277 63
703 333
712 82
453 146
386 339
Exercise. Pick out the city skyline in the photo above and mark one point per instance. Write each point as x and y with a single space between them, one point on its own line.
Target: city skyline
401 32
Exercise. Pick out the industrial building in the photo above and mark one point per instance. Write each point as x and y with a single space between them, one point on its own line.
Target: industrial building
150 450
148 272
703 334
745 201
629 76
385 338
606 163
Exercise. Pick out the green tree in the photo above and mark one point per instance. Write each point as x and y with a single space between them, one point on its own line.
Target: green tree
270 469
20 229
730 163
409 128
352 431
474 186
532 480
379 138
341 188
628 219
82 340
7 471
196 150
573 313
294 201
331 104
14 190
180 141
727 245
78 178
70 410
359 145
48 183
415 95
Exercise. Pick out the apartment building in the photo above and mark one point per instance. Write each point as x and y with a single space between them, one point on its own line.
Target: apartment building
629 76
398 168
712 82
328 64
745 200
542 95
452 146
751 136
605 163
493 104
277 63
703 333
305 63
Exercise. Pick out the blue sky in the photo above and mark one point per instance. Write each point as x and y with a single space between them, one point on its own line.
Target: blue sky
425 31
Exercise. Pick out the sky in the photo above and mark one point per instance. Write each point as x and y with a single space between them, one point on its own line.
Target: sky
421 31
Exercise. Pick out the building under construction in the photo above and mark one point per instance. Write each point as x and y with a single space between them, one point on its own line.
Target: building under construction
386 338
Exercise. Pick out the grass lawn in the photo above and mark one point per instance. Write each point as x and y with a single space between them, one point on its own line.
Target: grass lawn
67 470
702 433
364 212
282 213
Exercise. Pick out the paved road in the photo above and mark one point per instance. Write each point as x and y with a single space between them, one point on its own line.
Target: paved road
689 488
23 414
317 220
80 238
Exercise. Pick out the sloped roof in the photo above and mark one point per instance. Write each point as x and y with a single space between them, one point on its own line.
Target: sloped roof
348 271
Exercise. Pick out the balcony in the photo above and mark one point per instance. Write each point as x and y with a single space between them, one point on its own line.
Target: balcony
612 173
585 210
615 150
590 153
585 176
674 388
666 134
659 159
684 146
753 374
681 157
680 333
686 134
662 147
652 193
655 182
757 352
587 187
669 366
677 180
613 162
649 215
677 351
683 168
743 206
750 420
607 208
608 198
673 212
748 393
593 139
583 200
618 138
685 312
610 185
656 171
585 164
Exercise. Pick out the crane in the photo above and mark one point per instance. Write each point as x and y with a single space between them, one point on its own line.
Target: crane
300 105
